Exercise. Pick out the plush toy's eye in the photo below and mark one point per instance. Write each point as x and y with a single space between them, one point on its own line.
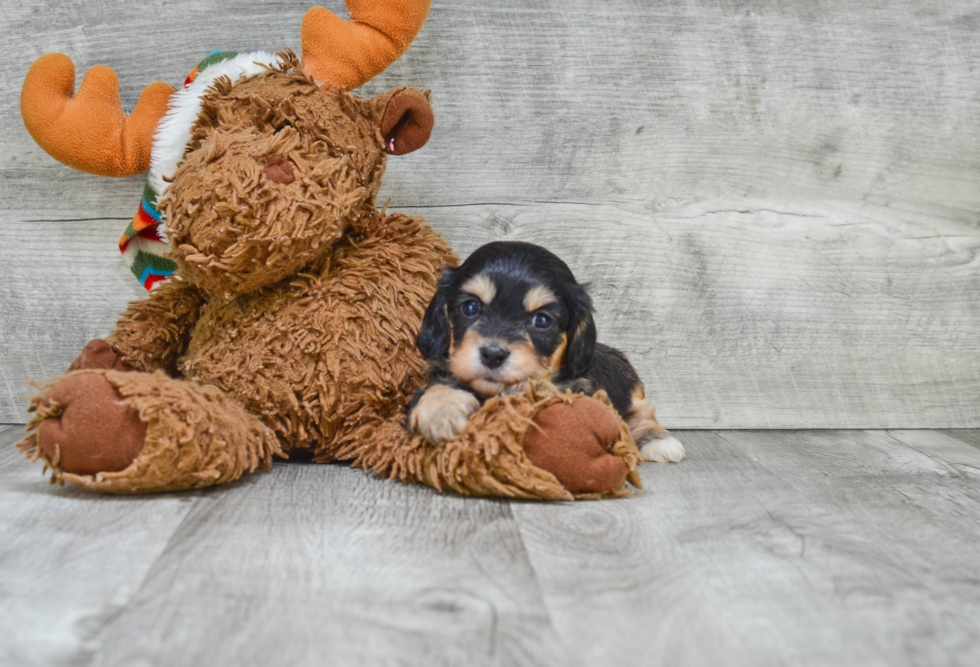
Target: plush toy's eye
540 321
470 307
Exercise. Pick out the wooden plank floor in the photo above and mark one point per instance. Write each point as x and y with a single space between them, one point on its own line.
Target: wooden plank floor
762 548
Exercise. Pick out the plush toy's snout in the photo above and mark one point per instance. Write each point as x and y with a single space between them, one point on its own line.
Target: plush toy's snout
265 187
279 170
276 169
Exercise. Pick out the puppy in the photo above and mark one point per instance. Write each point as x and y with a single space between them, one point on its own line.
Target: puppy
512 313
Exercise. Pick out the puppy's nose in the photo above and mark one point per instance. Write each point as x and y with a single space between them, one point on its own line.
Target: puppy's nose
493 355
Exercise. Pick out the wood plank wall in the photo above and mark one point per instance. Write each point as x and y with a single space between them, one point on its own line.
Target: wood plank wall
776 203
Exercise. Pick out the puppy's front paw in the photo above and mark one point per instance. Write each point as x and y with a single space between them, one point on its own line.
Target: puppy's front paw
442 412
665 449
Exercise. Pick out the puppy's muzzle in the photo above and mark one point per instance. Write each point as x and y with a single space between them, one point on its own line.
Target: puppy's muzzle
493 355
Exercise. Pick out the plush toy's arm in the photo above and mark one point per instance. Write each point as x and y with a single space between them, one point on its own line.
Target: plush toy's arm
538 443
152 333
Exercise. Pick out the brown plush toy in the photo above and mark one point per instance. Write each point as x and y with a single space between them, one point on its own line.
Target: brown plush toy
290 322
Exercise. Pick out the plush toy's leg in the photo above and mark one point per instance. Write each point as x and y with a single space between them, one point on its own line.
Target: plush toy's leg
129 432
537 444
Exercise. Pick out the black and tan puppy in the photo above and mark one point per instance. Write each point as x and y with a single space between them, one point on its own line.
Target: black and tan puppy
513 312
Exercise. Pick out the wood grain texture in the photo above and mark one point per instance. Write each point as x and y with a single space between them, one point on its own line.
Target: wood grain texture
969 436
324 565
962 459
70 560
776 204
917 508
311 564
761 548
770 548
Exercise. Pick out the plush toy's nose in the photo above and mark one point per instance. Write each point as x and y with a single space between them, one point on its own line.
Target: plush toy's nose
493 356
278 170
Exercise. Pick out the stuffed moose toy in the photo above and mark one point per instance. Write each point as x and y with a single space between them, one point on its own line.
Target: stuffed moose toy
288 326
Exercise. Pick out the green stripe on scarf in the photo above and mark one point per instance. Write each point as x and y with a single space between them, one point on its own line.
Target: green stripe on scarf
145 259
216 57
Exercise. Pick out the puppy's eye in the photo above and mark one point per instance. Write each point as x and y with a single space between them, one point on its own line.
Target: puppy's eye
540 321
470 308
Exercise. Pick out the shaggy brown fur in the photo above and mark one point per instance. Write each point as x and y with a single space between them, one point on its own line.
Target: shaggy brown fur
290 325
233 229
196 436
488 457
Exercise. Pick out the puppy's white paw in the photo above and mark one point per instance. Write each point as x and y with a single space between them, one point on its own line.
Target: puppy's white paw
667 449
442 412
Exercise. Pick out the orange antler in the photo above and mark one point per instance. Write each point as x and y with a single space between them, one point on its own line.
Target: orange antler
346 54
89 131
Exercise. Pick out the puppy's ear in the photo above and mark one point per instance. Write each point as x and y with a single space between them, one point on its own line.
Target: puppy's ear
434 336
581 335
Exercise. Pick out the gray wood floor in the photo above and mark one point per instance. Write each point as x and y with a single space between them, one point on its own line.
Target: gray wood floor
763 548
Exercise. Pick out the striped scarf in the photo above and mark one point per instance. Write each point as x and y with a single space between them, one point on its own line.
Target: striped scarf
144 244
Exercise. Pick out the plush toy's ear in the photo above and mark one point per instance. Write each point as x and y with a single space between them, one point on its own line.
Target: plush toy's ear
407 121
581 334
434 336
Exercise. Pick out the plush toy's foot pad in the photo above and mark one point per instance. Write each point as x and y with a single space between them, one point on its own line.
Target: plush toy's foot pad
98 354
90 429
573 442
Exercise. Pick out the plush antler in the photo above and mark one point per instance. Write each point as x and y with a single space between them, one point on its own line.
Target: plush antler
89 131
346 54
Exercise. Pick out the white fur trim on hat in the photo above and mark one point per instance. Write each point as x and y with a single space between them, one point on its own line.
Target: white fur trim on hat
174 130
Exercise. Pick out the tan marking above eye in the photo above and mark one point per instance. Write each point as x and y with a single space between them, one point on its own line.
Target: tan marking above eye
480 286
538 296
